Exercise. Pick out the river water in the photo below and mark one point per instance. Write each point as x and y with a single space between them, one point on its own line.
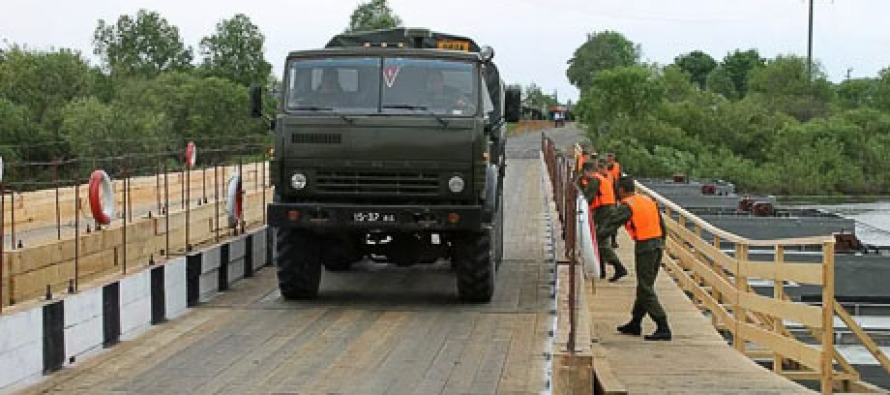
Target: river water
872 219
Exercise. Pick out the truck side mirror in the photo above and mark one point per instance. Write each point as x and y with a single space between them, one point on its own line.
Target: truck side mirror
256 101
512 104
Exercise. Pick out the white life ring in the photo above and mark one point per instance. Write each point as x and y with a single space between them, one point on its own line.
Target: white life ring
101 197
191 155
234 201
1 169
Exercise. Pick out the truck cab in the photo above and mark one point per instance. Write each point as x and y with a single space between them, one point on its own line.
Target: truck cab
389 145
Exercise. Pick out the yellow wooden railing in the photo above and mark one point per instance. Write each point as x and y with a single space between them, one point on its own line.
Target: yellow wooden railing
715 268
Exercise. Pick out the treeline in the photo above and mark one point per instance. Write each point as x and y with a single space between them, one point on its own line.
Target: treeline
149 95
768 125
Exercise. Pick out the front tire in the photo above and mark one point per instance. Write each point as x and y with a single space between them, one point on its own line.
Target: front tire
474 266
298 256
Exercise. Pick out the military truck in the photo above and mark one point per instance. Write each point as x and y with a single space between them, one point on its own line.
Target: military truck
389 145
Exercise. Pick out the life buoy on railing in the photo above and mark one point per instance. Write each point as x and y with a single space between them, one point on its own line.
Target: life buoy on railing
101 197
234 201
1 169
191 155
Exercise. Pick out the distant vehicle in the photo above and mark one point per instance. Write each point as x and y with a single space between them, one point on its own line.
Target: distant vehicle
389 144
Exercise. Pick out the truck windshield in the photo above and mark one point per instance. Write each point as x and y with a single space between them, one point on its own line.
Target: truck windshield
389 85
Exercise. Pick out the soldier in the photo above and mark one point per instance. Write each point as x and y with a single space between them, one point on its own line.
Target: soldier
645 226
615 171
600 194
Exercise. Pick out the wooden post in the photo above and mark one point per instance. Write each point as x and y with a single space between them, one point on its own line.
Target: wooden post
741 282
827 367
778 294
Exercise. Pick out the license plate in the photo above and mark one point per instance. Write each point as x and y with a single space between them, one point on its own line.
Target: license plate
373 216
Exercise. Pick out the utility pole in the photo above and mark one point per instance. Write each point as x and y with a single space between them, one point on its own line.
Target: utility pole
810 45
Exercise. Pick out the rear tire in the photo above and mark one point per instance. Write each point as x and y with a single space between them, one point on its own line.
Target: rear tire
474 266
298 256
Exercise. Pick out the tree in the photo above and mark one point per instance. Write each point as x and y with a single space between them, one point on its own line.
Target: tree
534 97
738 64
698 65
146 45
629 92
784 84
601 51
43 82
235 52
373 15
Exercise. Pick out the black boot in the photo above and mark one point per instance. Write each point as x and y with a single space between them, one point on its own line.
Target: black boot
632 327
620 271
662 330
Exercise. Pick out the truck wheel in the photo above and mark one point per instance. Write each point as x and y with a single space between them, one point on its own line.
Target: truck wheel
474 266
298 253
499 240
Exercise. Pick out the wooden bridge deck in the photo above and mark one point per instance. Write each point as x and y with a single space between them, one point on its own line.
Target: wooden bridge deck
698 360
374 330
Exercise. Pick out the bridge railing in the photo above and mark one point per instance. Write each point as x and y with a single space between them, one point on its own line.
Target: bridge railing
716 269
50 244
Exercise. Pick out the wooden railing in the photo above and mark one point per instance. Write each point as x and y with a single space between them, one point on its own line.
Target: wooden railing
63 247
716 267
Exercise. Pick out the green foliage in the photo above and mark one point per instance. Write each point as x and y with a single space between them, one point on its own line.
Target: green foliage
146 45
783 84
698 65
235 52
534 97
373 15
737 65
763 124
602 51
622 92
146 101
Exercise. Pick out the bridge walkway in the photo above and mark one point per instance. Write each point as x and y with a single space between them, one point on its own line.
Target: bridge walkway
697 361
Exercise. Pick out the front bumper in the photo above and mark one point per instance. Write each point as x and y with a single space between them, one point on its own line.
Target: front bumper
396 217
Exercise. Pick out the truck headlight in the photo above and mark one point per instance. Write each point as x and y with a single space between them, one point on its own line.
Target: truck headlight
456 184
298 181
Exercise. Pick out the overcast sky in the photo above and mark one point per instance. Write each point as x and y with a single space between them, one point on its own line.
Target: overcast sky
532 38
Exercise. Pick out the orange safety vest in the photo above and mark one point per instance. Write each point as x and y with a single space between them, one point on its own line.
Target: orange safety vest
615 170
645 221
579 162
606 194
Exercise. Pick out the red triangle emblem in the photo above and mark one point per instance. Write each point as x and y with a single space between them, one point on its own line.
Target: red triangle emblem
390 73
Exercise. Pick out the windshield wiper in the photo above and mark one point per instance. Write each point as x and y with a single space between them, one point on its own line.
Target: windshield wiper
421 108
312 108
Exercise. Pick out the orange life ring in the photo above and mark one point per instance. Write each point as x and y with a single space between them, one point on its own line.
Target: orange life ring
234 201
101 197
191 155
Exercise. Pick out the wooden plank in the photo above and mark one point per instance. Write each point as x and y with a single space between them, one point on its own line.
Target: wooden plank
806 355
717 309
605 381
827 366
725 288
701 246
806 273
863 337
788 310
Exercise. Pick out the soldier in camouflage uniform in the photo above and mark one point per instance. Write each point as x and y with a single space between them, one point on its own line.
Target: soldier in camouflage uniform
645 225
598 192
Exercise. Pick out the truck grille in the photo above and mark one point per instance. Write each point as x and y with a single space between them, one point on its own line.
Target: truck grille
316 138
378 183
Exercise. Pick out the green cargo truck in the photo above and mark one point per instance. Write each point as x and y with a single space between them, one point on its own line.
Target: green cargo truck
389 144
